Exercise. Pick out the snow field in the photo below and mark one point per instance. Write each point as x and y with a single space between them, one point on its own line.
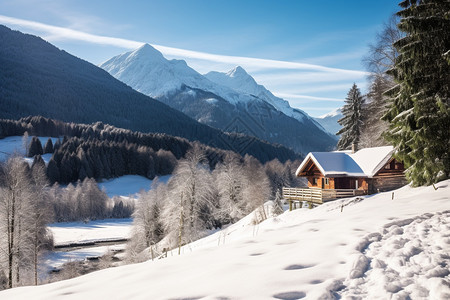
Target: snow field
128 185
56 259
102 230
13 144
321 253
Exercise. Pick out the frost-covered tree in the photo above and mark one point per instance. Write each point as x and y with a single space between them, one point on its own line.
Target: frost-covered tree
25 142
40 215
256 189
229 178
351 122
419 112
94 199
20 229
278 204
188 211
380 58
148 227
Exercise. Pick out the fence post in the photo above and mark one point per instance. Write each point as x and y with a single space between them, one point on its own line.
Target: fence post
290 205
392 196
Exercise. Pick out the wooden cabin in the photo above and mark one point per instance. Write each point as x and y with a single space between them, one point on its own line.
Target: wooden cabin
344 173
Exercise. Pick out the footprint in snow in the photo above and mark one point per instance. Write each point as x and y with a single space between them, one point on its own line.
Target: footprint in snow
298 267
290 295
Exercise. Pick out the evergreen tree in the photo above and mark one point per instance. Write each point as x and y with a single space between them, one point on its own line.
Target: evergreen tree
48 148
53 171
57 145
352 121
278 204
419 109
35 147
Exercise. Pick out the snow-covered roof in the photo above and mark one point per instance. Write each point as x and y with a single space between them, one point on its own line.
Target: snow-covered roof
363 163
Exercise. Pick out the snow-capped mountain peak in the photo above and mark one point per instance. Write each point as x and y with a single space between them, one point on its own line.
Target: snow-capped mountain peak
238 72
333 113
148 53
329 121
216 99
147 71
239 80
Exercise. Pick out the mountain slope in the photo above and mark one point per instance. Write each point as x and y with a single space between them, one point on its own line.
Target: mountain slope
375 248
37 78
239 80
176 84
329 121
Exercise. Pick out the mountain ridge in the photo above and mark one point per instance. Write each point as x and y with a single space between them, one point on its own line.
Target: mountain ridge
181 87
329 121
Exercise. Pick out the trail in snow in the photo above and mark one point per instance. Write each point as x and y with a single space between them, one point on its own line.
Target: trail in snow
408 259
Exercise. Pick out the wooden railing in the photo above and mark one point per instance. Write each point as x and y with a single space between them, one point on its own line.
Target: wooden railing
313 195
317 195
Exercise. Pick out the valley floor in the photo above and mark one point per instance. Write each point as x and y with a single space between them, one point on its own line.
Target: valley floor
375 248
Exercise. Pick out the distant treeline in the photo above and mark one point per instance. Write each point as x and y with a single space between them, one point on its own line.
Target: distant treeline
40 126
104 151
77 159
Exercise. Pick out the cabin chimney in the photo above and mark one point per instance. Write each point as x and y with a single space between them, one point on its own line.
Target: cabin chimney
354 148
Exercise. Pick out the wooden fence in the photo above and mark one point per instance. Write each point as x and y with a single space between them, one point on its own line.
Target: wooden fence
317 195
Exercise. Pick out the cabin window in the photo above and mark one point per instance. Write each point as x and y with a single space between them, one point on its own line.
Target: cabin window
388 166
327 181
316 180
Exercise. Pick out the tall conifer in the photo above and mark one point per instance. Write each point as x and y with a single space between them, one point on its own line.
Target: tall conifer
352 121
419 108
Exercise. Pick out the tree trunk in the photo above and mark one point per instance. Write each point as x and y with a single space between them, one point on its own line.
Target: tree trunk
11 242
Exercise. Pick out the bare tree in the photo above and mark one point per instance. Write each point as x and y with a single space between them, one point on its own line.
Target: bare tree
381 57
229 177
147 221
188 207
25 142
40 215
256 187
15 209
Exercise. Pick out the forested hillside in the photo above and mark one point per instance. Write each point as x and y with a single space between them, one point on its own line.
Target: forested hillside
104 151
37 78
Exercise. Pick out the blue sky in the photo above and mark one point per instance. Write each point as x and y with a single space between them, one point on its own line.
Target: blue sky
307 52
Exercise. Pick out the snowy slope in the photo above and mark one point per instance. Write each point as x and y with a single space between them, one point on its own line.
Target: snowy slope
329 121
239 80
147 71
376 248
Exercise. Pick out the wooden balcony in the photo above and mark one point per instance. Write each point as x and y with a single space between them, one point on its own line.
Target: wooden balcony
317 195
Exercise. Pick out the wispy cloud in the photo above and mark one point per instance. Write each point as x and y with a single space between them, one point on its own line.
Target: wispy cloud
71 34
61 33
283 77
306 97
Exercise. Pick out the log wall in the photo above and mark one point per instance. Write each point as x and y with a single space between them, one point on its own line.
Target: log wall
386 183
